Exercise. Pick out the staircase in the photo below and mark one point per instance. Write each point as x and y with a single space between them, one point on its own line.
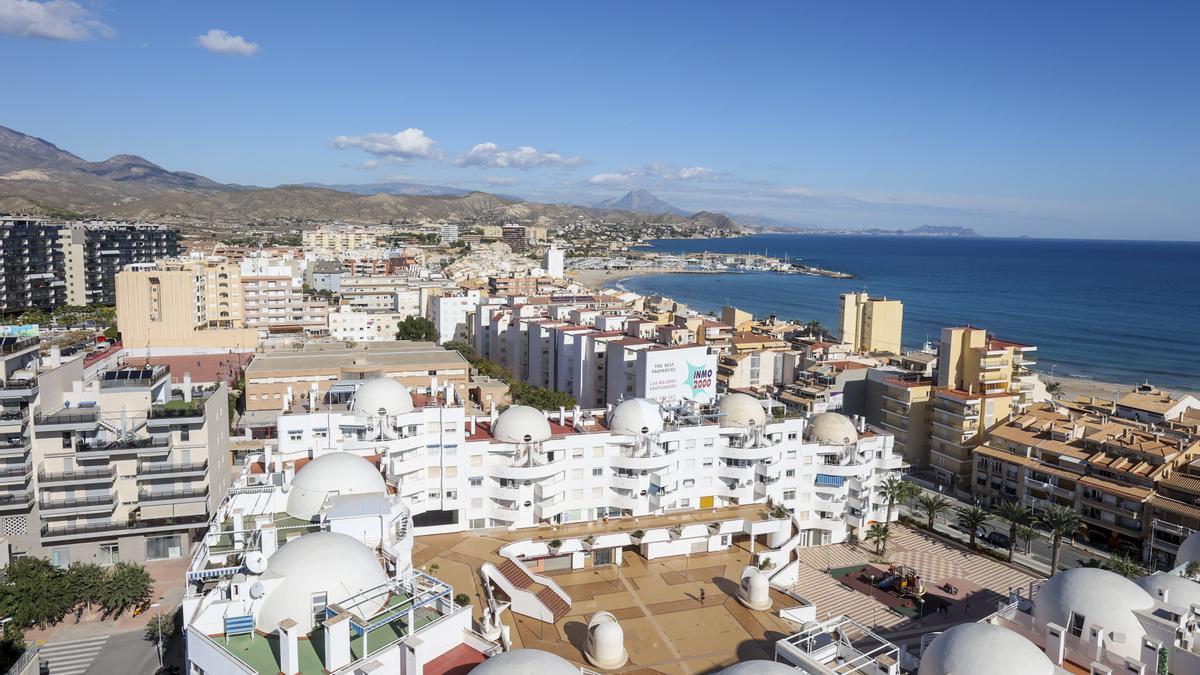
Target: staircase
533 597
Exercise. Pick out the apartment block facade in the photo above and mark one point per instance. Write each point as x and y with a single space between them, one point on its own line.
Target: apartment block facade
32 266
871 324
95 252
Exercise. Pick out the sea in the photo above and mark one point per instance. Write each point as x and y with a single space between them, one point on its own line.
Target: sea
1112 311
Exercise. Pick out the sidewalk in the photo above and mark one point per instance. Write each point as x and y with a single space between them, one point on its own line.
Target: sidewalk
168 589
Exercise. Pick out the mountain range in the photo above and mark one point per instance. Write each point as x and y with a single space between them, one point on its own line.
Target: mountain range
640 201
39 178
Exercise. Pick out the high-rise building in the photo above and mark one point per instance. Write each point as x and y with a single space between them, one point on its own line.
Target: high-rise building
95 252
125 465
32 267
871 324
553 262
516 237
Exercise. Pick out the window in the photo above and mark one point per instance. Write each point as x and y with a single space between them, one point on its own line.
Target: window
435 495
576 453
790 473
110 554
295 435
319 602
1076 624
475 481
789 495
185 434
597 472
159 548
320 433
66 439
61 557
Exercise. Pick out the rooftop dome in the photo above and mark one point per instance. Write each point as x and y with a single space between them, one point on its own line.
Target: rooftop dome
1189 550
636 416
1181 592
1097 597
759 667
382 396
524 662
830 428
521 424
741 410
983 649
605 647
322 562
337 473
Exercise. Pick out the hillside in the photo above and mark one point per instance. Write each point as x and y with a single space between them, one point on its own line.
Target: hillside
39 178
640 201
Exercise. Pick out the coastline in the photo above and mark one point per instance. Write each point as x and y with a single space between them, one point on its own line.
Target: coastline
1072 387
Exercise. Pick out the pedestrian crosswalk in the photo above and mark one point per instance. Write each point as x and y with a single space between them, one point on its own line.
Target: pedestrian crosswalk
70 658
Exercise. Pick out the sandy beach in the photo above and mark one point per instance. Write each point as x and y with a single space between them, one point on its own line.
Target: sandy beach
599 279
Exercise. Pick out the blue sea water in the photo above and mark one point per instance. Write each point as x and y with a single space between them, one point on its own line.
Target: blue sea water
1118 311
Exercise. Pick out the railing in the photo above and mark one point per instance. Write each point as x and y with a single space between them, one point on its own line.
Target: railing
12 415
76 474
150 469
127 444
164 412
20 345
67 530
23 497
148 496
19 470
18 385
28 655
87 417
76 503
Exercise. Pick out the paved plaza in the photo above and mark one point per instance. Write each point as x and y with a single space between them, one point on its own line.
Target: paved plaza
667 628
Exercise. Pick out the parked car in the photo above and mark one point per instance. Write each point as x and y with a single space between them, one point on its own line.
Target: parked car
998 539
963 526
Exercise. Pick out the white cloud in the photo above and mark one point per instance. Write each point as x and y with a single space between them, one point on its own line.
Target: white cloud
403 146
524 157
220 42
500 180
655 170
52 20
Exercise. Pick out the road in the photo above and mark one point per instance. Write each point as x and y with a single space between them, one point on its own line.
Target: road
129 652
1069 556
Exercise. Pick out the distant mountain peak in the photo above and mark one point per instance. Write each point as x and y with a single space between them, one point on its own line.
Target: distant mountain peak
640 201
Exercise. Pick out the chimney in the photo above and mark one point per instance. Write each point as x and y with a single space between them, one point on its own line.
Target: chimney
268 539
187 387
472 425
492 413
55 358
562 415
337 641
289 647
1056 643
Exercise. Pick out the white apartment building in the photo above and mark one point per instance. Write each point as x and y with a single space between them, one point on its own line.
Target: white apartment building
364 326
342 239
554 261
524 467
451 314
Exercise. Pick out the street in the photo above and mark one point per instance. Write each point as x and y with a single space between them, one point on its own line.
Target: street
1069 555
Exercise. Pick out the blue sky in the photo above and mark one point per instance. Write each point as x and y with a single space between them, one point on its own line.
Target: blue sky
1046 119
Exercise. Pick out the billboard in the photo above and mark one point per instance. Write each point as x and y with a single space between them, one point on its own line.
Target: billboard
688 373
23 331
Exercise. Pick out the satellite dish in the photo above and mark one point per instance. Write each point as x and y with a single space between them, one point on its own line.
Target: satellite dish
256 590
256 562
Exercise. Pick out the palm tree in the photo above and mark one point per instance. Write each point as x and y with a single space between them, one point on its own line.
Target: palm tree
972 517
1028 535
1061 521
933 506
1054 388
878 534
1015 514
1125 566
896 491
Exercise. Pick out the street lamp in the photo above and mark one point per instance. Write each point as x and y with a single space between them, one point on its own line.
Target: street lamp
158 626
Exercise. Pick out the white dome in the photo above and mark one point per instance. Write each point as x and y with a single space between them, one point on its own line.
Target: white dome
983 649
605 646
521 424
1181 592
1189 550
636 416
760 668
524 662
830 428
741 410
1102 598
339 473
322 562
382 396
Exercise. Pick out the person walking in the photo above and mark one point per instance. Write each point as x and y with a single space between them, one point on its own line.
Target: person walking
702 596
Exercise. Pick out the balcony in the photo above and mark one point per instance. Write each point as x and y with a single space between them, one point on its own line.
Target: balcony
153 470
178 412
14 447
16 501
129 446
174 496
68 420
12 419
77 476
17 474
24 389
71 505
105 528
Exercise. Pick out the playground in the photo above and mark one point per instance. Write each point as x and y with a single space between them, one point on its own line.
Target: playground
899 588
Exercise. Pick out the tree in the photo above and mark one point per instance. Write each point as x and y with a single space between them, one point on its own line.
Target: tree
1054 388
35 315
126 585
896 491
1028 534
1061 521
463 348
160 622
878 534
540 397
12 645
34 593
973 518
1015 514
87 583
417 328
1125 566
933 506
